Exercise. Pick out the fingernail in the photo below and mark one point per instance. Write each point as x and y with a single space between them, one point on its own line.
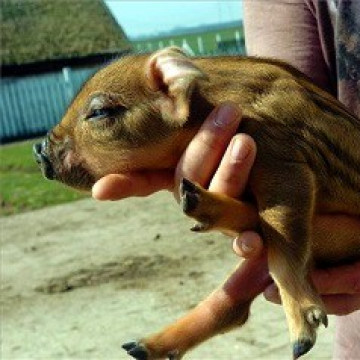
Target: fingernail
239 151
226 115
246 246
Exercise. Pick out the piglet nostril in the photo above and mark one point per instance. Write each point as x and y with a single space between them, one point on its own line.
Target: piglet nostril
42 159
37 148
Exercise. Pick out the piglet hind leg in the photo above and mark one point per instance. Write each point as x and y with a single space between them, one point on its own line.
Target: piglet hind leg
285 194
286 197
224 309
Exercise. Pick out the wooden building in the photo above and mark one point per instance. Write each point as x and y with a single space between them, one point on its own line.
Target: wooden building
49 48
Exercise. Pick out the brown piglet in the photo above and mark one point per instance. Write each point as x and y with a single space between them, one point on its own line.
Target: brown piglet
140 113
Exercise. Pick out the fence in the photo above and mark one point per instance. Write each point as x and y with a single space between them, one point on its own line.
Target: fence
228 41
31 105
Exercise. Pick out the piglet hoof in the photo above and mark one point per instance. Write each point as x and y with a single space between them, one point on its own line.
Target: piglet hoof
190 196
195 203
136 350
315 316
301 347
200 227
139 352
174 355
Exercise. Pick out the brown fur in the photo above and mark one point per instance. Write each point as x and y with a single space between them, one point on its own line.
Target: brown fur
308 163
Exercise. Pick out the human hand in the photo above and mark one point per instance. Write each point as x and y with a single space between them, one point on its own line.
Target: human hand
339 286
221 160
121 186
218 158
214 144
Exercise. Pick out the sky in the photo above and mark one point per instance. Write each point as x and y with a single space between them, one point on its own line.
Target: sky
145 17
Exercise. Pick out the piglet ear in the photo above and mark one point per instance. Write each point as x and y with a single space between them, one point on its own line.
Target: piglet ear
172 72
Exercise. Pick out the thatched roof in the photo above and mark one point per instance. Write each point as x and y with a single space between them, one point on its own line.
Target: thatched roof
38 30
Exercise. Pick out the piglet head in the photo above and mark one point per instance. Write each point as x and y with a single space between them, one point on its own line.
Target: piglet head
131 115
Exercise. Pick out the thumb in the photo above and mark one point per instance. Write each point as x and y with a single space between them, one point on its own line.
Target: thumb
248 245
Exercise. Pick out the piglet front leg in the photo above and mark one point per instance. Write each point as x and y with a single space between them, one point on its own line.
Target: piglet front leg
215 211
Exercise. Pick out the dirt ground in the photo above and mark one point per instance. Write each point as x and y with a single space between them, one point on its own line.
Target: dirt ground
80 279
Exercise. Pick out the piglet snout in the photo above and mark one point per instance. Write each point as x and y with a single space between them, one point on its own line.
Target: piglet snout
39 151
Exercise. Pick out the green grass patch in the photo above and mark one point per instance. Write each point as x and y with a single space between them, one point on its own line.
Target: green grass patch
22 187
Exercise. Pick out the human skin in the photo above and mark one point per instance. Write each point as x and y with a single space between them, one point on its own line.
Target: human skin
221 159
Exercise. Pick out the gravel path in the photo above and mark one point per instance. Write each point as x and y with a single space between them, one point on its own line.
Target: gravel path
80 279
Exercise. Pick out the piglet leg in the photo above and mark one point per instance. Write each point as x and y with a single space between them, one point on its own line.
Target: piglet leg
224 309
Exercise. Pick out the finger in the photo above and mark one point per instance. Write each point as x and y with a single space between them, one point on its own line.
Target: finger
204 152
271 293
248 245
341 304
233 172
344 279
337 281
120 186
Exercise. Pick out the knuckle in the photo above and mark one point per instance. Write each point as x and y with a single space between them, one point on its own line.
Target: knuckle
342 311
346 308
356 284
323 280
213 141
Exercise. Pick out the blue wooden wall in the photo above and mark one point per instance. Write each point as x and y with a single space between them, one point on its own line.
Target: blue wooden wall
31 105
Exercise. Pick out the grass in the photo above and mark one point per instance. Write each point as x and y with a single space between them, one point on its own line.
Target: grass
22 187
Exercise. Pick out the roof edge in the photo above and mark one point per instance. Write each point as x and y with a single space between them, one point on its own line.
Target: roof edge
41 66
